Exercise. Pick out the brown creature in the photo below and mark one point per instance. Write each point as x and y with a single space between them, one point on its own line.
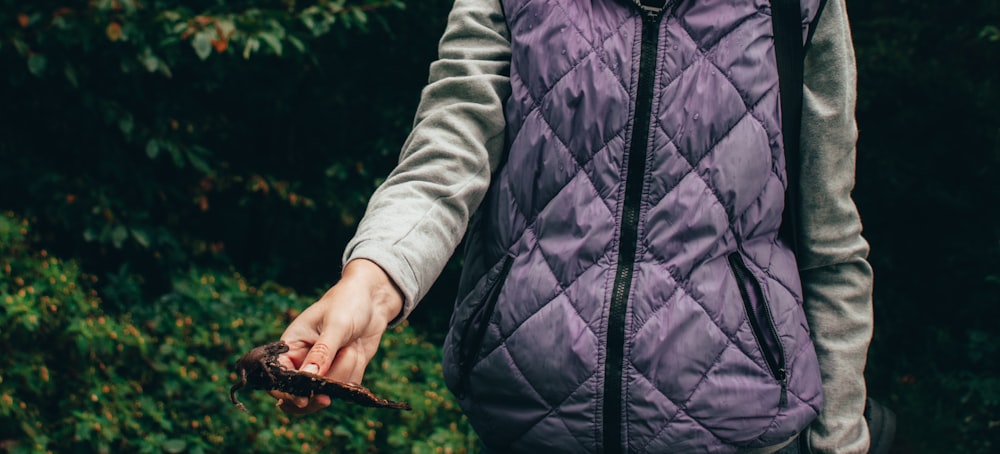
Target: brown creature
259 369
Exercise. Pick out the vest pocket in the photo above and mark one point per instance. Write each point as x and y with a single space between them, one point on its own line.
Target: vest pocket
479 320
761 321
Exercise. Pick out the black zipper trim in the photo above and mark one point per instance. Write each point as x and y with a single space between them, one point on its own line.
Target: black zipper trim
628 236
775 360
470 346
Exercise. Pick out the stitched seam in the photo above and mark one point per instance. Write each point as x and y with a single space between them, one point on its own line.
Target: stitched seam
802 348
642 323
593 47
531 220
683 285
681 407
592 52
772 276
552 408
709 46
605 41
731 219
521 8
575 27
743 96
555 410
664 84
503 338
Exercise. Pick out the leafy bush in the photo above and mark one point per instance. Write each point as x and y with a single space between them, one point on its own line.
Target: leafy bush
80 376
246 133
928 166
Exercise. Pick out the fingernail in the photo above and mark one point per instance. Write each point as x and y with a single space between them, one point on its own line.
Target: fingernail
312 368
301 402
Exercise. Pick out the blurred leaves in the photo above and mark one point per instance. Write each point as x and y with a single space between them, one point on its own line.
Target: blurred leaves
154 130
83 375
927 190
990 33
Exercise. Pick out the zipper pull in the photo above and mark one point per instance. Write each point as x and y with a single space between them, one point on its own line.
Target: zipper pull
783 380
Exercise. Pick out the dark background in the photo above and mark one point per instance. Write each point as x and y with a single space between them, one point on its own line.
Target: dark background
142 140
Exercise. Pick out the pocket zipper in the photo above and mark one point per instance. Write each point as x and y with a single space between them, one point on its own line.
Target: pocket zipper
758 316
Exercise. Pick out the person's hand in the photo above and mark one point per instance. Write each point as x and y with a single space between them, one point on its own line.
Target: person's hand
338 335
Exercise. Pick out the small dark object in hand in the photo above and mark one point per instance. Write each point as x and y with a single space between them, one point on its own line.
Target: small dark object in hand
259 369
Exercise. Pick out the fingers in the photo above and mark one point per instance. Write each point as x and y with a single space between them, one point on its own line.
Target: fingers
323 352
349 365
300 405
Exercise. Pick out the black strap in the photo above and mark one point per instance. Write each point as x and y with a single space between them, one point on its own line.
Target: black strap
788 50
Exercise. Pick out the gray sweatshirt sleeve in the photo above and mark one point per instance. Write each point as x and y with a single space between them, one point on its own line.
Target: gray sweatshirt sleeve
836 278
418 216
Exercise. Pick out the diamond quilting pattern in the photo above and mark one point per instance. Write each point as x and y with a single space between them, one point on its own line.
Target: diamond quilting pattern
572 417
570 351
642 428
590 120
667 237
751 403
736 176
714 152
537 147
684 355
703 106
716 19
574 230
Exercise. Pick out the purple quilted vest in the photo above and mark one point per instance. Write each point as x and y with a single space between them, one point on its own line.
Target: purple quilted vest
624 287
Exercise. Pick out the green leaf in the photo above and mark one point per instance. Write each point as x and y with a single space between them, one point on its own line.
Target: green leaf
36 64
126 124
360 16
149 60
202 44
176 154
196 160
990 33
141 237
225 27
174 446
70 74
152 148
297 44
21 46
252 46
118 236
271 41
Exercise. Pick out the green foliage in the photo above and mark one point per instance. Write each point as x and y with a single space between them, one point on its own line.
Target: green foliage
164 132
990 33
79 377
928 166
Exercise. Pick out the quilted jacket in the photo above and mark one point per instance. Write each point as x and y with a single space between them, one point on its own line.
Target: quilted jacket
624 286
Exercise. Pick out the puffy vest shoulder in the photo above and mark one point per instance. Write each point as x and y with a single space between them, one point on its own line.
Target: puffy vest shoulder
624 287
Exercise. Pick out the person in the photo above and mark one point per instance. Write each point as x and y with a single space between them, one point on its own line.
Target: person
616 169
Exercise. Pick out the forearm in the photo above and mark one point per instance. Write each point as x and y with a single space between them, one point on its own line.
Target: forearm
836 278
416 219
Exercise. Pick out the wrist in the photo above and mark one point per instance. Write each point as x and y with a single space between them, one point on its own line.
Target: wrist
385 296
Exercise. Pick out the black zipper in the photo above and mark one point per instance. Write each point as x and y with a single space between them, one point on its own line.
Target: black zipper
628 236
477 325
775 360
